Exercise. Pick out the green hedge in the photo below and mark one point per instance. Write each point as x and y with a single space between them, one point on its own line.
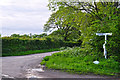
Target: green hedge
13 45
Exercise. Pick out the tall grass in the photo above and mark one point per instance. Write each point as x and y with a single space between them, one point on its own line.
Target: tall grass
30 52
77 60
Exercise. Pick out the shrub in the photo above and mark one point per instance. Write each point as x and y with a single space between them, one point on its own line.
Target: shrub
46 58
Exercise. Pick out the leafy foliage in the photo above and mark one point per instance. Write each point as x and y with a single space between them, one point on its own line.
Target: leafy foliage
15 45
109 24
64 21
90 18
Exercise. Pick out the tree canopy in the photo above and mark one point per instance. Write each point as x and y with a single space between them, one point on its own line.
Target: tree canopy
64 21
89 18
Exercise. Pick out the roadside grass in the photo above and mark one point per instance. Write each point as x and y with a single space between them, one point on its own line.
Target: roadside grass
29 52
75 60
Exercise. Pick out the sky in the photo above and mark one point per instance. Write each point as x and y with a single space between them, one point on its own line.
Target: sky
23 16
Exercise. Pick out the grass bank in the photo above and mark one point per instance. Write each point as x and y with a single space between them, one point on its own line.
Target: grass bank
75 60
29 52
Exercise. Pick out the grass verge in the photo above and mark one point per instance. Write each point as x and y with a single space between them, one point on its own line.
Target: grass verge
29 52
75 60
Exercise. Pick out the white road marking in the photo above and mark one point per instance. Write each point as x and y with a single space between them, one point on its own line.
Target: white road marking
30 73
6 76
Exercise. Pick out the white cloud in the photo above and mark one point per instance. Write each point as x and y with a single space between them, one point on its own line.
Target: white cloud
21 16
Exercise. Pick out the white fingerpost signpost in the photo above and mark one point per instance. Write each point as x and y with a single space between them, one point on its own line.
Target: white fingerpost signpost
104 34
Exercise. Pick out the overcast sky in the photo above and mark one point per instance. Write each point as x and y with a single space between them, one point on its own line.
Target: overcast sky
23 16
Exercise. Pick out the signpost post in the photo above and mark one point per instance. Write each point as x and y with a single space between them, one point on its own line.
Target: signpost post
104 34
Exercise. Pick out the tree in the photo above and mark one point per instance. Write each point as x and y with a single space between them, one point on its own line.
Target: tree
39 36
99 17
25 36
89 7
109 24
15 35
64 20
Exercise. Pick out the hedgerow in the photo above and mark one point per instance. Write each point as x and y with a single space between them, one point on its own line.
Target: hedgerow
14 45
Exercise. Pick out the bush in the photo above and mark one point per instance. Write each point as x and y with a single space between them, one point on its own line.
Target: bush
46 58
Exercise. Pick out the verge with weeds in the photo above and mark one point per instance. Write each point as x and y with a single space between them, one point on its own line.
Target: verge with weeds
76 60
30 52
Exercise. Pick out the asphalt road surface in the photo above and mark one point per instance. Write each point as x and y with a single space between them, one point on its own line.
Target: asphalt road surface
28 66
